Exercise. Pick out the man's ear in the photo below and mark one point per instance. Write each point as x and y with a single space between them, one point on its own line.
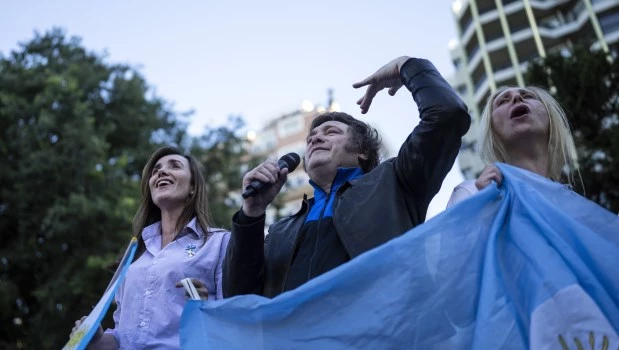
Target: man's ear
363 156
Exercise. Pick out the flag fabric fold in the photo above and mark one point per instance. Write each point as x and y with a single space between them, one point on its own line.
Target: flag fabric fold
529 264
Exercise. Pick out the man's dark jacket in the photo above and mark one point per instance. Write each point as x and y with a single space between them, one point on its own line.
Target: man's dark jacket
369 211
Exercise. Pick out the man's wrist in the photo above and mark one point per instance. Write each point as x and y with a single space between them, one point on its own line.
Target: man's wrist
401 61
252 214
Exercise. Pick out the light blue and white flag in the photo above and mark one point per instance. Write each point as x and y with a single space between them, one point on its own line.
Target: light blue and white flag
528 265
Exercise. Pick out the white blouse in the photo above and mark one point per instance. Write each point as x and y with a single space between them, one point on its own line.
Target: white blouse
462 192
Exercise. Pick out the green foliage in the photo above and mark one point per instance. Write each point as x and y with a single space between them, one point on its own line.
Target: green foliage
587 87
75 132
224 158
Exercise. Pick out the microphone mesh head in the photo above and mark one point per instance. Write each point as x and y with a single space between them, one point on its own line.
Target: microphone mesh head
292 160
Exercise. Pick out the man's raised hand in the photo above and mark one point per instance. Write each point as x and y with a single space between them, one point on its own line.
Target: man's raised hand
388 76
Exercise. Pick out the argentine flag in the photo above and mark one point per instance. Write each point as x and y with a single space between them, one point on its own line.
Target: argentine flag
528 265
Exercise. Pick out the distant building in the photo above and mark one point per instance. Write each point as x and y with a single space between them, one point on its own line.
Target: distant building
497 38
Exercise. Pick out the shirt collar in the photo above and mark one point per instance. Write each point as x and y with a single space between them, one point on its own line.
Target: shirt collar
192 228
342 175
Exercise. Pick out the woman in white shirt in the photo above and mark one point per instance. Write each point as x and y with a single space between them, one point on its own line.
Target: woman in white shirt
523 127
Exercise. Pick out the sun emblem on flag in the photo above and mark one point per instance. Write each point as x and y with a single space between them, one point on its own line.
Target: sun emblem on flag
579 344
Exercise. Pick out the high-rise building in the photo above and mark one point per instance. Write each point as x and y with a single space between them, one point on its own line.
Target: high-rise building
496 39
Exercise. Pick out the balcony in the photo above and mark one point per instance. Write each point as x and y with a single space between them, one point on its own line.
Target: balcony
609 22
471 49
466 20
485 6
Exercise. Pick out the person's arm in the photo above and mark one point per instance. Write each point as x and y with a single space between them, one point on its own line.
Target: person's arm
430 150
104 340
244 263
111 338
219 268
101 340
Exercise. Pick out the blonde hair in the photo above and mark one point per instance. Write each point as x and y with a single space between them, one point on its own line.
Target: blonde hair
562 156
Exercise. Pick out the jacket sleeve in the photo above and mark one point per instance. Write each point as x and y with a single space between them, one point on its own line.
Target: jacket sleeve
219 268
430 150
244 263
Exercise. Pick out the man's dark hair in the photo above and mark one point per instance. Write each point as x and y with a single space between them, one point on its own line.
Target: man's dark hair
363 137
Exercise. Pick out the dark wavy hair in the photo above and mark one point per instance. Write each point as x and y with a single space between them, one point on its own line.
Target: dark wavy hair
363 137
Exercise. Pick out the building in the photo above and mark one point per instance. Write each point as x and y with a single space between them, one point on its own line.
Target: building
496 39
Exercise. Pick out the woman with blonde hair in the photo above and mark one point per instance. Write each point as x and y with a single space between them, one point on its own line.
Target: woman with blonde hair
175 241
524 127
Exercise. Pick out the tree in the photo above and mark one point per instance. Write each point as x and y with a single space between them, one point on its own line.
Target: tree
75 132
586 84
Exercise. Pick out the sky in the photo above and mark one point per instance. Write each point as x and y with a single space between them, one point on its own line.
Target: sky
259 59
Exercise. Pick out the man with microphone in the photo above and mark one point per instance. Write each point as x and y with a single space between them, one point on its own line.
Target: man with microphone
358 204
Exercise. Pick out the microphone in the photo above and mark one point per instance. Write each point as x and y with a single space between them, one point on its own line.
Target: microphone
289 161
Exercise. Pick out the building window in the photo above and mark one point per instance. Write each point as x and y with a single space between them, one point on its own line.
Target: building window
297 180
482 9
466 21
457 63
531 56
472 51
297 147
265 142
609 22
577 10
480 81
519 26
492 35
551 22
290 126
500 65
